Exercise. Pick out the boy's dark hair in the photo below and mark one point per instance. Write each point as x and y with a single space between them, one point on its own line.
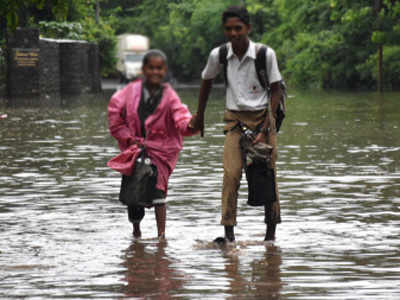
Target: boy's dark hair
153 53
236 12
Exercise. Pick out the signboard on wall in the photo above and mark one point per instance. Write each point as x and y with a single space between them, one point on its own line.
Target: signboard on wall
24 71
26 57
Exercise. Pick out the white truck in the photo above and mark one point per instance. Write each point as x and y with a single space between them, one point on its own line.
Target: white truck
130 51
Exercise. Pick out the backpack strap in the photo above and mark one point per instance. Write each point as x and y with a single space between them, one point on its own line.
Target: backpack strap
261 65
223 52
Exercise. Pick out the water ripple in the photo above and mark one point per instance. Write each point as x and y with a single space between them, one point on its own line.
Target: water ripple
63 233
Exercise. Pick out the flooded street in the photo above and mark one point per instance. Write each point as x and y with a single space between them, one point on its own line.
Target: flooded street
64 234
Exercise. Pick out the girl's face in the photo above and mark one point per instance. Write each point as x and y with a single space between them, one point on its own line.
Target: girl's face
155 70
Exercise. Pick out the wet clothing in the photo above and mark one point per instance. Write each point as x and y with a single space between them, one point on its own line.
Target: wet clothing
147 106
164 130
233 166
157 121
246 101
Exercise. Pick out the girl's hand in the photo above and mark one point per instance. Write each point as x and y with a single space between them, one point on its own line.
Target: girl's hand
133 141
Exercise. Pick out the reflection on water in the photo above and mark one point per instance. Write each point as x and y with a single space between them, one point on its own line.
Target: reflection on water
149 271
264 280
63 233
266 275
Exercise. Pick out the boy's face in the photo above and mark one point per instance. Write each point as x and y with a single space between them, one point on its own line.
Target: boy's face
236 31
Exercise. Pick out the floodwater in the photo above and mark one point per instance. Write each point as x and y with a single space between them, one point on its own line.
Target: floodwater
63 233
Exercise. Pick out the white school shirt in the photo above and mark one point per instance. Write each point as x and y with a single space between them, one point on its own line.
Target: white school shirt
244 91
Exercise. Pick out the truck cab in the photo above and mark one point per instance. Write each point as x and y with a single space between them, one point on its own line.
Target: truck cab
130 52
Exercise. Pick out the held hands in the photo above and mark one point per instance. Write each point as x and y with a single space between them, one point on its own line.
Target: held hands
197 123
260 138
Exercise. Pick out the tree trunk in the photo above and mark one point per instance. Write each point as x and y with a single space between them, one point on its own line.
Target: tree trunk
378 7
97 11
380 68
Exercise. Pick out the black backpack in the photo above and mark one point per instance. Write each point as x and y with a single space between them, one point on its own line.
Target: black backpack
262 75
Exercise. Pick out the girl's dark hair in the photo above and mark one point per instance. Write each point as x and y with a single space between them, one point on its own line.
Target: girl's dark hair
153 53
236 12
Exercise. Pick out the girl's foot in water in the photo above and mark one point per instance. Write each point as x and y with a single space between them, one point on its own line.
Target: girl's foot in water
270 234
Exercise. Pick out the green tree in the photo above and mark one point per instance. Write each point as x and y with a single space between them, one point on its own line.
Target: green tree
186 30
332 43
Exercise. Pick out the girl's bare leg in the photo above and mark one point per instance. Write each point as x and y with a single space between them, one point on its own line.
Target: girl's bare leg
161 215
136 230
270 234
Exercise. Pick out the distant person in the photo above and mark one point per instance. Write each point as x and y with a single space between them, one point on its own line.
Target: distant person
246 102
148 113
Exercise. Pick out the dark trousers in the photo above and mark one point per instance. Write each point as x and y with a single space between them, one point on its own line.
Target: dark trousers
135 214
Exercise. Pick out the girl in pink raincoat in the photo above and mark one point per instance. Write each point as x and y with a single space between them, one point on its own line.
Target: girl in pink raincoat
148 113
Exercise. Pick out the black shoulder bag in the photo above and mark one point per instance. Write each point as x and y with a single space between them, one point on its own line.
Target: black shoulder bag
139 188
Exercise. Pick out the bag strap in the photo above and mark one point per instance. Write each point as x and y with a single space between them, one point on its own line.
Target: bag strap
261 65
223 52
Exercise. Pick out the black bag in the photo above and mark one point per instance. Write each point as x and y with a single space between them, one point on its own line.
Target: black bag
261 183
139 188
260 176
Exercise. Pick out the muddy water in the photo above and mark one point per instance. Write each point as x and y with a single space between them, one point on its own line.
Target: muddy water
63 234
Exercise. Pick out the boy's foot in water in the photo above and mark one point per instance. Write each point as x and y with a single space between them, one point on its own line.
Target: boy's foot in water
161 237
229 236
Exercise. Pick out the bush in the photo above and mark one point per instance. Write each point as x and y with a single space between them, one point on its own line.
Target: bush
61 30
104 35
2 69
391 68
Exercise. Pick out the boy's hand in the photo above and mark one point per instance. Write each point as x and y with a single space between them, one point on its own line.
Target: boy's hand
260 138
197 123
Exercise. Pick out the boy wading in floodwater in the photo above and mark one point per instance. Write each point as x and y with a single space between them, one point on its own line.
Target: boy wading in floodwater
147 115
246 102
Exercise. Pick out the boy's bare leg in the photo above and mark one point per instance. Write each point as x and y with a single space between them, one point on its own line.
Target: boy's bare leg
229 233
161 215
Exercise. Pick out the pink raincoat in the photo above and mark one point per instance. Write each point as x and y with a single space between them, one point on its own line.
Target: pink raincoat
165 129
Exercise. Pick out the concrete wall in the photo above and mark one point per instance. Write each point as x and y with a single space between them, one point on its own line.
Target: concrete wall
43 69
49 68
23 64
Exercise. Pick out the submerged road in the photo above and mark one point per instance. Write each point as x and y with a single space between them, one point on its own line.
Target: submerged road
65 235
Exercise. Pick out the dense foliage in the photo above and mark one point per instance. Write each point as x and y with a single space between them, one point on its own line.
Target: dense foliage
320 43
73 19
